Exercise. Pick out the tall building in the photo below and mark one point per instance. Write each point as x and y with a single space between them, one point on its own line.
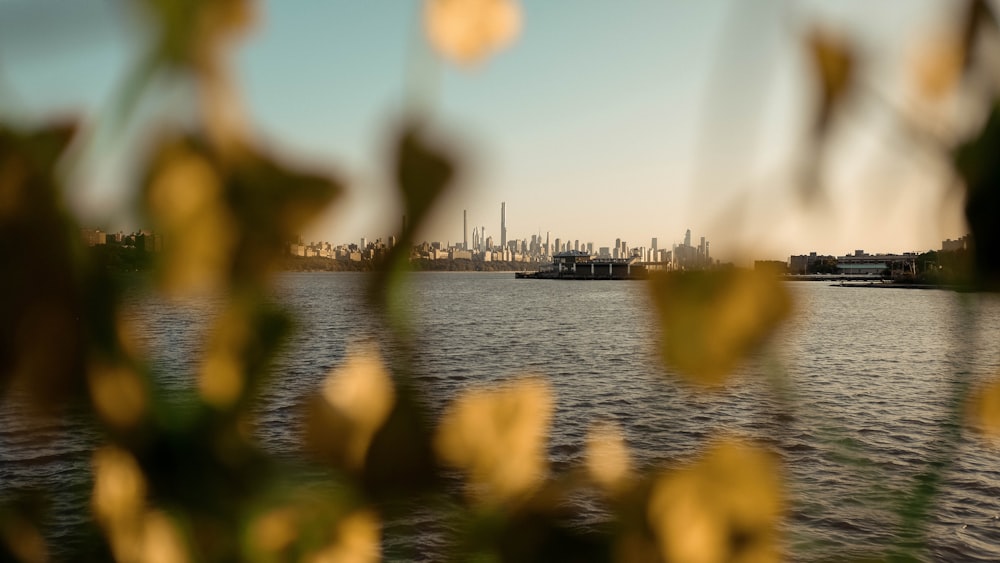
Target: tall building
687 238
503 224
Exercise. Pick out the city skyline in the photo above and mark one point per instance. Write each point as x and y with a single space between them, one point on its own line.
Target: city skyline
664 115
482 233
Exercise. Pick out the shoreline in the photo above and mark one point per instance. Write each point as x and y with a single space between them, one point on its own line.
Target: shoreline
907 285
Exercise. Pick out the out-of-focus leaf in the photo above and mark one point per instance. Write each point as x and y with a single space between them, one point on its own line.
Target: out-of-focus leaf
239 352
191 31
313 523
984 409
939 67
162 539
186 202
20 531
22 541
42 301
608 461
978 163
423 172
356 399
118 500
833 62
711 320
465 31
497 438
942 61
227 219
355 539
726 507
119 394
979 14
134 532
403 441
273 201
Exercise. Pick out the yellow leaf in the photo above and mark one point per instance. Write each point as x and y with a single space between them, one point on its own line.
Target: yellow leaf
834 63
119 486
185 198
118 393
162 541
984 409
357 399
221 379
23 540
357 539
608 462
465 31
726 507
937 66
272 532
498 438
710 321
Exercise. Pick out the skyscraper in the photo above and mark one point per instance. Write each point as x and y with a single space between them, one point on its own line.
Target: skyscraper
687 238
503 224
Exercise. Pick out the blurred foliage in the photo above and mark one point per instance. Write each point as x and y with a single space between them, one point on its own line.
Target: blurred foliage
712 319
192 484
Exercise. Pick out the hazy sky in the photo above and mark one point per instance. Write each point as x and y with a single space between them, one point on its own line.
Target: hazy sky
605 119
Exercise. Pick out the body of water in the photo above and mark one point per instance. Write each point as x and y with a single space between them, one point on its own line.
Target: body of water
870 374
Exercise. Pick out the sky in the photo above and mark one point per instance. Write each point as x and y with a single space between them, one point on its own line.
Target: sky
602 120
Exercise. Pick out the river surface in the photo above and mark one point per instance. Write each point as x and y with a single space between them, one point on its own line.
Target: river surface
870 375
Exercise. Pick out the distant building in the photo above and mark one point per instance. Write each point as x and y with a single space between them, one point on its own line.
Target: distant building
863 263
811 263
799 264
953 245
93 237
503 224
